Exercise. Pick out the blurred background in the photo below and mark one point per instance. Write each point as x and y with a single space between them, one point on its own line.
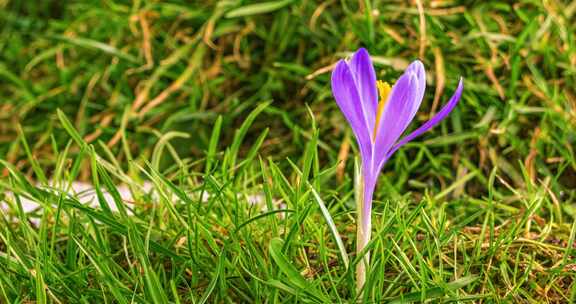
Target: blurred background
130 71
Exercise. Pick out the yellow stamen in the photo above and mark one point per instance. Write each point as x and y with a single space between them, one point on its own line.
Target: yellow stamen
384 90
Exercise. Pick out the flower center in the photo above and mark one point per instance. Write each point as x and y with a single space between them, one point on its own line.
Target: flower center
384 90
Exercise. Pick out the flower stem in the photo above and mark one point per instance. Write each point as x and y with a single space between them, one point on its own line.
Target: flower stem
363 231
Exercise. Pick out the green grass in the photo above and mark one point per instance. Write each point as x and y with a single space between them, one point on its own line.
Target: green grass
215 102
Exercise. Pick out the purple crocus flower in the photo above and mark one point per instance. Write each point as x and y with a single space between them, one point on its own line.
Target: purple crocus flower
378 124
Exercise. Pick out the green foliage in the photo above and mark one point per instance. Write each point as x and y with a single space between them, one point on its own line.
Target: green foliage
224 109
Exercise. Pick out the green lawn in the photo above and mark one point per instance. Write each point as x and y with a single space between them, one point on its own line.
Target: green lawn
218 118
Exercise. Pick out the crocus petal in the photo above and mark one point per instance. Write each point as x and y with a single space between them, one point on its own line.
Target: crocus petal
433 121
400 109
417 68
348 99
365 77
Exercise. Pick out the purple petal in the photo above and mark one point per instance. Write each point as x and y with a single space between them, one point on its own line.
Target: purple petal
348 99
417 68
403 102
433 121
365 77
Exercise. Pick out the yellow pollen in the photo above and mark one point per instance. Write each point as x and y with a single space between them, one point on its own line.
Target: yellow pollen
384 90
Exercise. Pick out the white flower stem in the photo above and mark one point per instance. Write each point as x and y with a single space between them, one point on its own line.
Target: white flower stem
363 231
